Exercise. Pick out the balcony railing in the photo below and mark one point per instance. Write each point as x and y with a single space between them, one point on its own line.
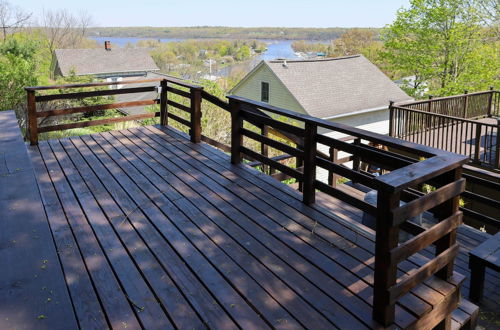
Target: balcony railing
463 124
399 198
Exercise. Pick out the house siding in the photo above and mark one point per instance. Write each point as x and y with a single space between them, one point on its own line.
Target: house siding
279 96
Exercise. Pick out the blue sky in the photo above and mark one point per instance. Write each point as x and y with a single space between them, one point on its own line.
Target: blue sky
249 13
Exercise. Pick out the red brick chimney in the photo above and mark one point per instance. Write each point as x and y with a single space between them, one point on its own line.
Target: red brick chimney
107 45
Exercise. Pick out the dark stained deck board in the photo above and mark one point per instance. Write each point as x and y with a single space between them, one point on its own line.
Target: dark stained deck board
348 262
248 239
233 188
164 218
199 242
196 294
33 292
121 286
211 154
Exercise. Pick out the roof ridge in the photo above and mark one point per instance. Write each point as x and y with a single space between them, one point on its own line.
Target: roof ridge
315 60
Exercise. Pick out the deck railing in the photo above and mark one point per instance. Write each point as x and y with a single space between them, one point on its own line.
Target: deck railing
269 126
441 169
450 123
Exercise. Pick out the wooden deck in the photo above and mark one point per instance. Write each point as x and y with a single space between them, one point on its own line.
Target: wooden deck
154 231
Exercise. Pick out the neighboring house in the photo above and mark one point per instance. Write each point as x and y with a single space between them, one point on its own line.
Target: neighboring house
104 63
111 65
349 90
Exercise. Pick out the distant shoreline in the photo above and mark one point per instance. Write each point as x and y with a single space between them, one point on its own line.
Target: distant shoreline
319 34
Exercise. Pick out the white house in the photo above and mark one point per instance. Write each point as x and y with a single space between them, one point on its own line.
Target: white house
349 90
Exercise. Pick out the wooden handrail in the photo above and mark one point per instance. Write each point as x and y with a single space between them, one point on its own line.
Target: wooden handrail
96 84
437 99
443 116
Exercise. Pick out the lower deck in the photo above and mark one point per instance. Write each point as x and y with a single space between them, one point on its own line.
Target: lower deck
154 231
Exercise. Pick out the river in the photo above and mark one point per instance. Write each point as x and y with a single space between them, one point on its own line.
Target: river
275 49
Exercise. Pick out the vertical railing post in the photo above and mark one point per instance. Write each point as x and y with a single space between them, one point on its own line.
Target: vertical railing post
490 102
309 173
356 162
497 146
386 239
236 136
477 142
299 162
430 104
391 118
466 104
195 131
32 119
163 103
332 177
264 149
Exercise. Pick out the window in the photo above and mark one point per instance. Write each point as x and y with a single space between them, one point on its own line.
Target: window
264 92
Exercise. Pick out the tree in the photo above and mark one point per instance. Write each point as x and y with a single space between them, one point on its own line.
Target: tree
65 30
11 18
353 42
437 42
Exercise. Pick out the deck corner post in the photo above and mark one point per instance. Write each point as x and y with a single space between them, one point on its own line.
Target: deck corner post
386 239
32 126
309 173
163 103
195 131
236 136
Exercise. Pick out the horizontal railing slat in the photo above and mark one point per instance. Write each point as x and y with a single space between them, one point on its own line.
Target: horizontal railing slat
273 143
179 119
178 91
418 276
428 201
424 239
358 203
365 152
81 124
280 167
179 106
215 100
91 108
215 143
346 172
259 120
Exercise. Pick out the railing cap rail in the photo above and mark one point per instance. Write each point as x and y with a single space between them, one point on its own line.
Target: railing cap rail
174 80
437 99
475 122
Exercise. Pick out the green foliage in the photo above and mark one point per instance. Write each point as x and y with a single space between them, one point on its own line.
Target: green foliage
16 72
443 44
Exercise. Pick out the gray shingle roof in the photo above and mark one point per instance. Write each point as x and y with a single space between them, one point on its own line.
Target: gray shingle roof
101 61
330 87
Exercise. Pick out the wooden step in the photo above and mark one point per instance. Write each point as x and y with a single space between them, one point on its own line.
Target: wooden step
465 316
